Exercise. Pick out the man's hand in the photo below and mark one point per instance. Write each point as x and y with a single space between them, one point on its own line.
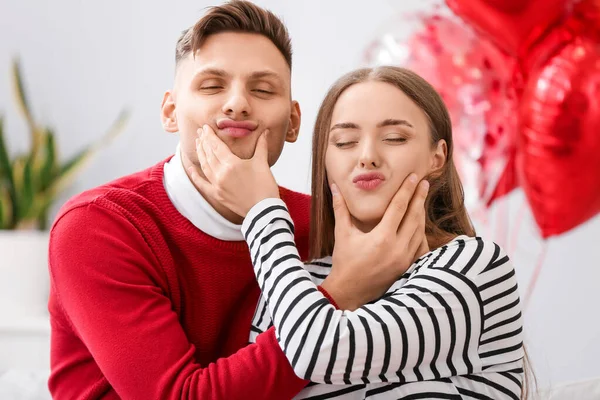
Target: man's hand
365 265
238 184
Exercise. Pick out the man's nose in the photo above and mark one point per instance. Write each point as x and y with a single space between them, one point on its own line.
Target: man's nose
237 103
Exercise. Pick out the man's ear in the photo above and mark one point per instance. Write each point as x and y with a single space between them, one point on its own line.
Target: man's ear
294 126
439 156
167 113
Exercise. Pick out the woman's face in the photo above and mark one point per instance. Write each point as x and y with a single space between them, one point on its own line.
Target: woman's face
377 137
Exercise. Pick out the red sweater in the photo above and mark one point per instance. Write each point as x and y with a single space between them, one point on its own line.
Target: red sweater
144 305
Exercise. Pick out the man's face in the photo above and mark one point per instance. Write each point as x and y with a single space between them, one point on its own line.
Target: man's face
240 85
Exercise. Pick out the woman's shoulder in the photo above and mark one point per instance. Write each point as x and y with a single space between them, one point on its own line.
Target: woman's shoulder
478 244
470 256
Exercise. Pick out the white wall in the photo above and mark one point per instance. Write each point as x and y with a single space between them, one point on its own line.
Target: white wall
84 61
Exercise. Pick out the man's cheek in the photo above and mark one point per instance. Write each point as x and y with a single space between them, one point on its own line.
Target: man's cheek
185 124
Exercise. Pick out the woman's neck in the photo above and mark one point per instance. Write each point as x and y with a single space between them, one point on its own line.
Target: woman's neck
440 239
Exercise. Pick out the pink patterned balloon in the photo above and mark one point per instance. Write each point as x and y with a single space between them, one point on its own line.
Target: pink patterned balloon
474 79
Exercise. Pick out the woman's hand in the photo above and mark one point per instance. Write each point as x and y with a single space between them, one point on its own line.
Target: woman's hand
238 184
365 265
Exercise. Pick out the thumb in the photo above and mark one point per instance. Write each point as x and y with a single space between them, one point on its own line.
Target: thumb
262 147
202 184
340 212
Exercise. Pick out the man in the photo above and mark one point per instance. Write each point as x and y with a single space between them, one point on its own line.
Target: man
152 287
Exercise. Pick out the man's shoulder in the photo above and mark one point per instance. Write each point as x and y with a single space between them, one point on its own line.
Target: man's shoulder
288 194
120 191
298 204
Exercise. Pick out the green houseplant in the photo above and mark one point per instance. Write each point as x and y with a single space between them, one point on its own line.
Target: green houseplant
29 185
30 182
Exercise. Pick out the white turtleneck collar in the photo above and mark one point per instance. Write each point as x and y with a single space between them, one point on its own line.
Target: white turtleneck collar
190 203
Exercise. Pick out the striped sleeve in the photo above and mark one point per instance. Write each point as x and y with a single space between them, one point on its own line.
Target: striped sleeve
433 325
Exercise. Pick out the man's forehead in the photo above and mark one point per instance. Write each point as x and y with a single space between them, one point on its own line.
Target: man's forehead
232 49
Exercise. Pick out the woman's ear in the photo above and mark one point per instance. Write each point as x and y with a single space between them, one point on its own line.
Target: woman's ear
439 156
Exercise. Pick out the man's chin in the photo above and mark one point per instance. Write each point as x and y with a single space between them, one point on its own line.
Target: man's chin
243 154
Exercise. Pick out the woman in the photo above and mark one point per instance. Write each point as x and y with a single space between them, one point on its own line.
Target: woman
451 326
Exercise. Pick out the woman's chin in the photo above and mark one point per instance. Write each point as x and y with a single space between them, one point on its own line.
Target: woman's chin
366 221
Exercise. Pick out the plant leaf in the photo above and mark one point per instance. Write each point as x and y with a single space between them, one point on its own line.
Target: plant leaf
23 103
5 168
42 219
7 189
44 165
6 211
30 183
18 167
41 206
28 191
69 169
22 176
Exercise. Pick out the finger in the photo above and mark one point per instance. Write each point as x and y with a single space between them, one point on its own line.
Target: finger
340 212
262 147
204 163
415 216
212 161
423 248
208 145
417 237
418 245
220 150
398 205
201 184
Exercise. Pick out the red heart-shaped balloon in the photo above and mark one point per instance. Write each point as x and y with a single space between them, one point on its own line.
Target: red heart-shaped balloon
558 150
511 24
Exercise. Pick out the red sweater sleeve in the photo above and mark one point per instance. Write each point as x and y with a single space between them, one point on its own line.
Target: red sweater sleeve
105 288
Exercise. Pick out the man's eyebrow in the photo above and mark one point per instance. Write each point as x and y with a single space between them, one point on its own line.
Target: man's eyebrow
211 71
266 74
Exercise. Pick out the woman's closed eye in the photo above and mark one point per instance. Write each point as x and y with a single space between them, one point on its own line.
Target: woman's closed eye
343 145
395 138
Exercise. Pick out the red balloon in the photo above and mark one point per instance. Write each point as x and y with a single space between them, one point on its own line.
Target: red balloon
512 24
508 6
588 11
558 149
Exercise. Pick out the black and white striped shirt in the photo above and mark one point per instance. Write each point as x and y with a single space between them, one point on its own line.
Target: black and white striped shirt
451 327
